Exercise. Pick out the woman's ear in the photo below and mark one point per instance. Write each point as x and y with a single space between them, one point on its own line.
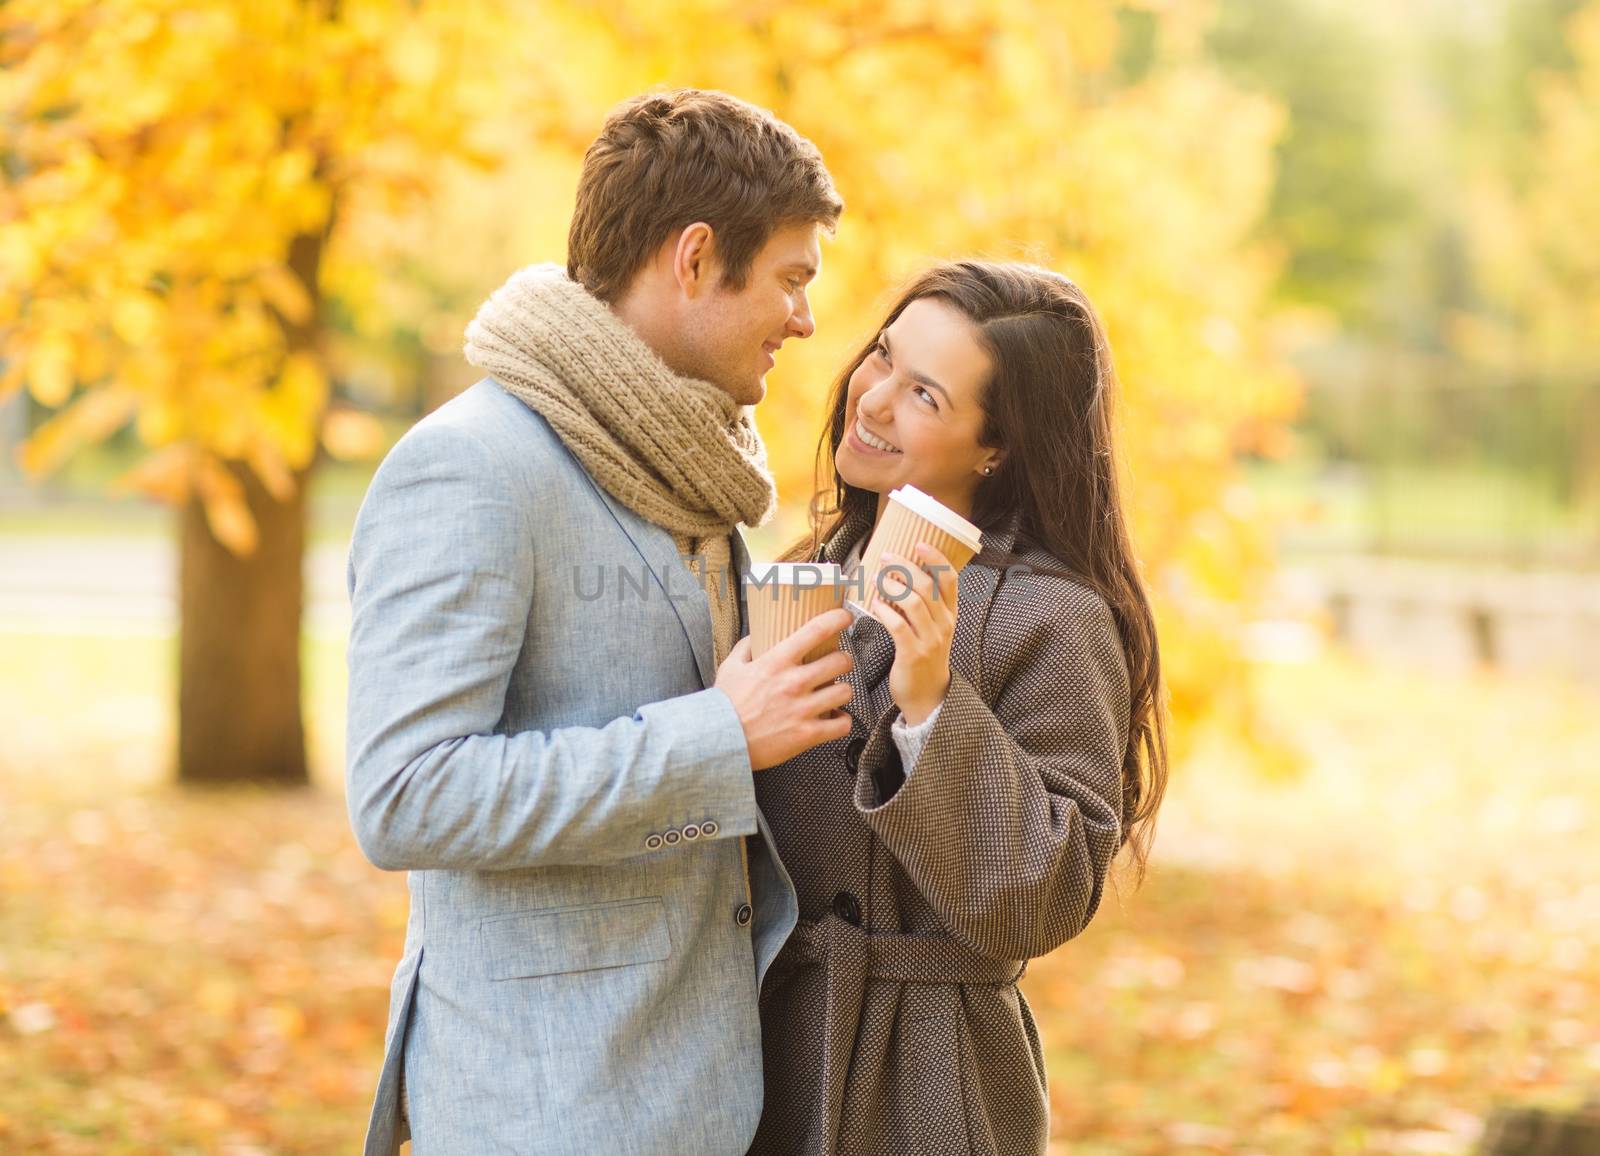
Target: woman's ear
992 463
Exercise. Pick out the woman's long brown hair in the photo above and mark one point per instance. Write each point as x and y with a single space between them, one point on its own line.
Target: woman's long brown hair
1048 403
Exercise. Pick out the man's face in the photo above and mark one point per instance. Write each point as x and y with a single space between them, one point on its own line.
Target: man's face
733 335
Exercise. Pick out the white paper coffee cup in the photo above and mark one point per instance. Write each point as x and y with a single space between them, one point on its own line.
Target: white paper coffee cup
911 516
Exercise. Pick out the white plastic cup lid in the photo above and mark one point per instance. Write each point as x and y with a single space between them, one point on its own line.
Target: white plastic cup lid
939 514
793 574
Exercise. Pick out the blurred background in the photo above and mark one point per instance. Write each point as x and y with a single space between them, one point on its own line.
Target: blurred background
1349 257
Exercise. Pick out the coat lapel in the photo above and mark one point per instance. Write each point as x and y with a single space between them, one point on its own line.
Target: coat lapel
678 585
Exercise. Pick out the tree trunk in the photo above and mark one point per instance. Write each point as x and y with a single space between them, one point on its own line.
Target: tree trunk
239 716
1586 499
1542 1132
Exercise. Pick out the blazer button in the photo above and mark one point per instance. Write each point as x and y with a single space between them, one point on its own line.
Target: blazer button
691 832
709 828
852 755
652 842
742 915
846 908
672 837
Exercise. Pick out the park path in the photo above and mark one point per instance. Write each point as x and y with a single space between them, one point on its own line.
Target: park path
113 584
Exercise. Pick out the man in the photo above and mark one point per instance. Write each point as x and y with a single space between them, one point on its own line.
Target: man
550 726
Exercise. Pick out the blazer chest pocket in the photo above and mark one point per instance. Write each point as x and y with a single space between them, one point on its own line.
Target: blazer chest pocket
553 940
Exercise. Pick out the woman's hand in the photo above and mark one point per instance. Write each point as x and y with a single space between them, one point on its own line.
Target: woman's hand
921 618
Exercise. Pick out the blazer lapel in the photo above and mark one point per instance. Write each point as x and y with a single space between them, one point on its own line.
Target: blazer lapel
678 586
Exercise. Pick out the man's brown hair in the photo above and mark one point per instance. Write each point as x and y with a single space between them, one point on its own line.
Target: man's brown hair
666 160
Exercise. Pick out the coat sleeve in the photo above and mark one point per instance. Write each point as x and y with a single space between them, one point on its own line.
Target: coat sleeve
442 579
1012 816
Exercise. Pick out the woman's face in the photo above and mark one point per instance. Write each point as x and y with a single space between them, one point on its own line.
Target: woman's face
919 394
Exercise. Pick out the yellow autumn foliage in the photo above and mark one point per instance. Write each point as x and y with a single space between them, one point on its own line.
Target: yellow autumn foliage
149 239
1536 234
1010 129
180 171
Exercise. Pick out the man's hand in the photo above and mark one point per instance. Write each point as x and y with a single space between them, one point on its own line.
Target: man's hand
785 704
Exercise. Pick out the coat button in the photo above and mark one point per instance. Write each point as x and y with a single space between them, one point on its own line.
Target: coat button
852 755
652 842
672 837
742 915
846 908
691 832
709 828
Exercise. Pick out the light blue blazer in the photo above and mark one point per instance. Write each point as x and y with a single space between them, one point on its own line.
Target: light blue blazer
531 737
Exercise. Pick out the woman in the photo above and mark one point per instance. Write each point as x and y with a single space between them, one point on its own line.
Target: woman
1007 738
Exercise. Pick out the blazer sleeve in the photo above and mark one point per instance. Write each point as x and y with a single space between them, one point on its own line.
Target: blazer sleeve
1010 822
441 575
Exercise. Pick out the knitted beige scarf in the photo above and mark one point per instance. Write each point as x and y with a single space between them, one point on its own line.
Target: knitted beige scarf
677 451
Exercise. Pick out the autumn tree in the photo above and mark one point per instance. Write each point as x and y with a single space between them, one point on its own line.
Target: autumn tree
179 180
1337 205
1540 238
1095 137
178 252
1536 244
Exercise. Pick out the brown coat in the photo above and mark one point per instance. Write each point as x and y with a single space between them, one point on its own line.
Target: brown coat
891 1021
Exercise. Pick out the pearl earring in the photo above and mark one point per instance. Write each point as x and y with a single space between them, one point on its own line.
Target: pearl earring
987 470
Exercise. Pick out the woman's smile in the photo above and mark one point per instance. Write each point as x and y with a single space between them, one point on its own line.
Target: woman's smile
864 442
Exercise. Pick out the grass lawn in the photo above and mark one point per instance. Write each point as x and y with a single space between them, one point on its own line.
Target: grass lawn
1433 509
1366 959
